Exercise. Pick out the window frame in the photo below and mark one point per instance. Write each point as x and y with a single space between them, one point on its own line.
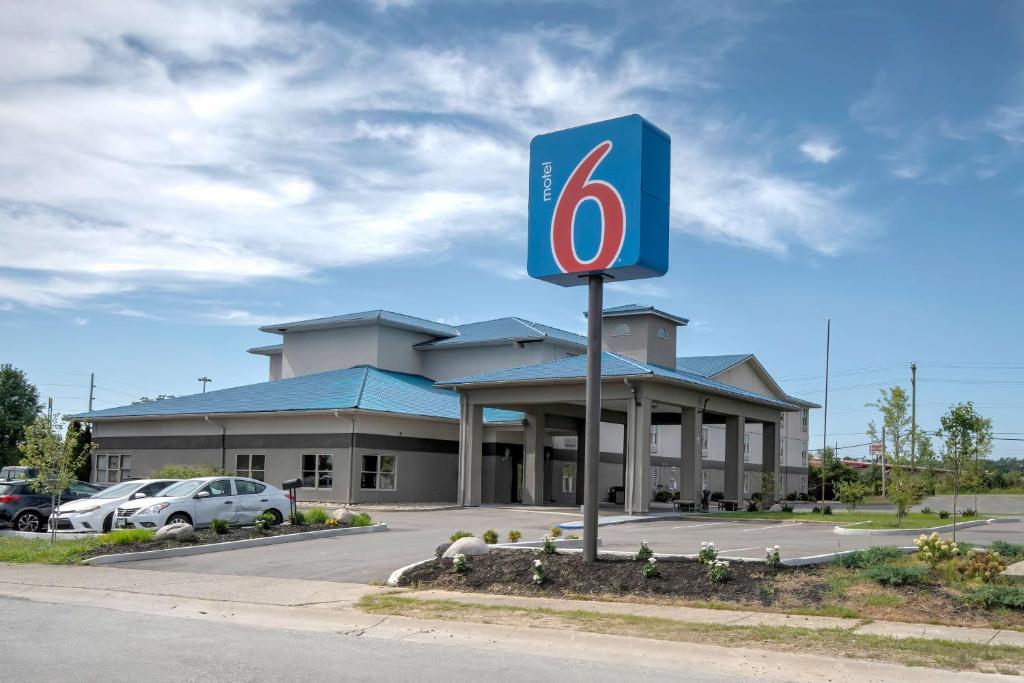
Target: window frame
317 471
377 473
705 438
746 446
123 473
248 472
568 478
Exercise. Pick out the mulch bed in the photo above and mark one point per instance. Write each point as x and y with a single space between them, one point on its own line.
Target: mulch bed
204 537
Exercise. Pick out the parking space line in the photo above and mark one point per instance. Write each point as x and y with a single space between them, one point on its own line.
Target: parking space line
694 526
778 526
736 550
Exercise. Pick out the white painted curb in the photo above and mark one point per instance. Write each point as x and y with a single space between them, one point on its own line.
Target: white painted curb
851 531
397 575
184 551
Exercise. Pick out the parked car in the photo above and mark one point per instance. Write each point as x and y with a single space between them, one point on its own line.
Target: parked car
236 500
18 473
96 513
26 509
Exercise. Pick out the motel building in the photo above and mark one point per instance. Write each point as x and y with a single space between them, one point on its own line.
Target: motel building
379 407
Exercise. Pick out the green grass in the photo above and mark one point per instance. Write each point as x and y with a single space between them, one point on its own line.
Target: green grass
828 642
43 551
840 517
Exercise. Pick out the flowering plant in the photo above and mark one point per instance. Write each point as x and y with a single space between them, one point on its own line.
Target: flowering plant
772 557
984 565
650 568
538 572
645 553
718 571
460 563
708 552
549 547
934 549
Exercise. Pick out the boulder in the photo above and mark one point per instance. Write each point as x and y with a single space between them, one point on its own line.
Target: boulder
470 545
179 531
775 508
1015 572
343 516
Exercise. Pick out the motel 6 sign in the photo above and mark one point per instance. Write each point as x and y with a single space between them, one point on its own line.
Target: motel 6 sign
599 202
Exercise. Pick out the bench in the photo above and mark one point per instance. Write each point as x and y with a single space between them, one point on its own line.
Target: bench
684 506
728 505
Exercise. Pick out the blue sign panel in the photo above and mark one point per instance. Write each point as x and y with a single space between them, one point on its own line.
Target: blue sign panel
599 202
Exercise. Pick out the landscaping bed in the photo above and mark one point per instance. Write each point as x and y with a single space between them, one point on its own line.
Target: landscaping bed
866 585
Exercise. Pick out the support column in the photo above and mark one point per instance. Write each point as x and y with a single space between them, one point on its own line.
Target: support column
770 458
638 459
471 451
581 463
690 462
533 459
734 457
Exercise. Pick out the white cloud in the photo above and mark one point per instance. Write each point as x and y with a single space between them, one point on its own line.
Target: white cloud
821 151
170 144
80 322
237 316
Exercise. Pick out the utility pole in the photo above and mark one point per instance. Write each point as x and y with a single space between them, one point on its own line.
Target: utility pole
824 426
92 388
49 412
882 456
913 415
204 379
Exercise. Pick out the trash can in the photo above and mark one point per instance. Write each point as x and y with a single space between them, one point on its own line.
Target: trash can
617 495
705 500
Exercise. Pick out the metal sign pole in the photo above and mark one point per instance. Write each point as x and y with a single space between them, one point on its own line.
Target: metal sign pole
592 447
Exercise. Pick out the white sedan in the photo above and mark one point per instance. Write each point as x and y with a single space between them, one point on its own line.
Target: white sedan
198 502
96 513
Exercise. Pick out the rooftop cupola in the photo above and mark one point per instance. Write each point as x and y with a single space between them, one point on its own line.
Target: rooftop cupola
642 333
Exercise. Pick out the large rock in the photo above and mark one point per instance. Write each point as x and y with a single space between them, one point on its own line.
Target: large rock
344 516
179 531
775 508
470 545
1015 572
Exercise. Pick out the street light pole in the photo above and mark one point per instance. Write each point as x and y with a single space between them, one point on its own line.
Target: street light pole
204 379
824 426
913 416
592 447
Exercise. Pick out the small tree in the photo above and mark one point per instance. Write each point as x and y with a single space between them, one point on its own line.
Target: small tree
967 436
57 459
768 488
851 494
894 405
905 491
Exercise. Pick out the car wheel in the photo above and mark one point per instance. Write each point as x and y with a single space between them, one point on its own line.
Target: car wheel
28 521
278 517
108 523
179 517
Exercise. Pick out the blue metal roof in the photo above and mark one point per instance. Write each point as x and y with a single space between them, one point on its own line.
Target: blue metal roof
709 366
633 309
271 350
503 330
360 387
612 365
382 317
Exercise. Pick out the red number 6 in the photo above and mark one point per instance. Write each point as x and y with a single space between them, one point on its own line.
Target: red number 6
578 189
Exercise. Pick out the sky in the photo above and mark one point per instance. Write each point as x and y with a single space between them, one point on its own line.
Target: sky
175 174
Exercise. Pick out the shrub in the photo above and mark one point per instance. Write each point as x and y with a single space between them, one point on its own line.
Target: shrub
926 510
219 526
663 496
934 549
538 572
126 536
985 565
555 532
895 575
573 537
718 571
817 510
316 515
331 521
297 518
514 536
708 552
756 496
459 534
549 547
943 514
969 512
460 564
490 537
186 472
645 553
439 551
717 496
650 568
791 497
264 522
1012 550
752 506
995 595
362 519
786 507
773 557
859 559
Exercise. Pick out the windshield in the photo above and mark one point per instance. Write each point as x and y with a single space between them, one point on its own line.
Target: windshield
182 488
122 489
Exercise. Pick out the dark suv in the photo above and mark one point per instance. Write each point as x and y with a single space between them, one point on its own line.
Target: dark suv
26 509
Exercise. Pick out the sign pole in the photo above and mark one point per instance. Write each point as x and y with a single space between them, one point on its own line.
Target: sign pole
592 447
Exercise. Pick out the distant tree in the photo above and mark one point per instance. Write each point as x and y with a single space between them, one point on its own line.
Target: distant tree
967 437
19 406
80 437
894 404
905 491
927 461
56 458
147 399
851 493
835 470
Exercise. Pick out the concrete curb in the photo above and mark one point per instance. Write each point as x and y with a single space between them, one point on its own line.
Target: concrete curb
397 575
560 543
45 535
850 531
184 551
828 557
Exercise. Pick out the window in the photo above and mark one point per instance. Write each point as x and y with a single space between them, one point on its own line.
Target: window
621 330
803 482
318 470
378 473
248 488
746 448
153 489
746 483
111 469
218 489
252 466
803 457
704 443
662 334
803 417
569 479
704 480
654 438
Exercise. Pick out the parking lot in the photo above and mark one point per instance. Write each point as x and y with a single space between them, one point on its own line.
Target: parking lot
413 536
